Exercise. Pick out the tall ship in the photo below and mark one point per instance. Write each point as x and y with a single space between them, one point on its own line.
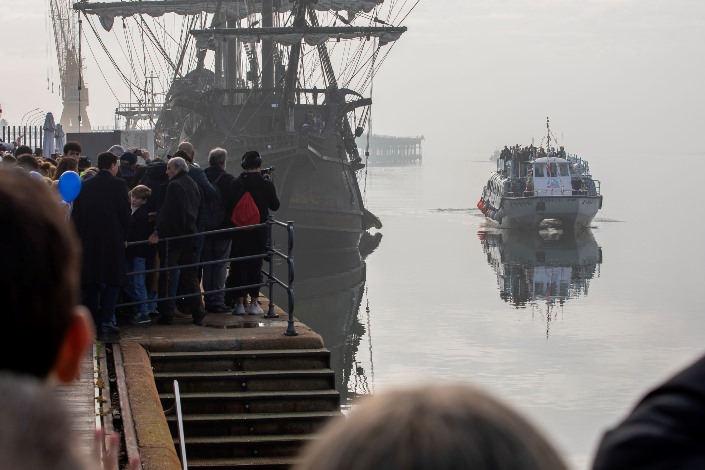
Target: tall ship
284 77
533 185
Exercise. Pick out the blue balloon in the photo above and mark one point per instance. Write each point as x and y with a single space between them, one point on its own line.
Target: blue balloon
69 185
36 175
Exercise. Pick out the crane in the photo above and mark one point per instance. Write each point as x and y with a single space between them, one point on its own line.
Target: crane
74 117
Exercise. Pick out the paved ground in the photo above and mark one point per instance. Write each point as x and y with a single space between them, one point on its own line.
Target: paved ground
80 398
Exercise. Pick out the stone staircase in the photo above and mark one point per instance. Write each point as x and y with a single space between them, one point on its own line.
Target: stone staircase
246 408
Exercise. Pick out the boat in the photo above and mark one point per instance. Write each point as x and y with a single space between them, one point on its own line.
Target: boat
534 186
544 269
278 76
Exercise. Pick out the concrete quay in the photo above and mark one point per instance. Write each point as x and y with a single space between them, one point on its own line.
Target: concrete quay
141 414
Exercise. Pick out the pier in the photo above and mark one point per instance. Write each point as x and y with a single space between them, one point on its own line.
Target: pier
390 150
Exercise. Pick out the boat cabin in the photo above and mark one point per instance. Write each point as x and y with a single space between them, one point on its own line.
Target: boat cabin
551 177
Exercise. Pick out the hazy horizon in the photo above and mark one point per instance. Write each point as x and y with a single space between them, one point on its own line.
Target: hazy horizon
613 76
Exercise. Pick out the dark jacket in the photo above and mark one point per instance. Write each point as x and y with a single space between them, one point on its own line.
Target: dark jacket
140 229
101 214
261 189
154 177
208 193
213 173
665 430
126 172
179 211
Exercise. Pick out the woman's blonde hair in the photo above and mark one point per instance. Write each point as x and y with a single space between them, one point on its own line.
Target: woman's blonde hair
441 426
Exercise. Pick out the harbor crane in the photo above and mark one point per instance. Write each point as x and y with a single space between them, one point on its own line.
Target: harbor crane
74 117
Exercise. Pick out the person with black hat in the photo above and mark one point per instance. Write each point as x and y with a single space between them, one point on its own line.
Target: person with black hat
250 242
126 171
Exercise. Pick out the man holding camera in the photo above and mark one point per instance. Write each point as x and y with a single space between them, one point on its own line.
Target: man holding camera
250 242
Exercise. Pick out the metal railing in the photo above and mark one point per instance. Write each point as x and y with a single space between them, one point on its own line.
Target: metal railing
270 280
32 136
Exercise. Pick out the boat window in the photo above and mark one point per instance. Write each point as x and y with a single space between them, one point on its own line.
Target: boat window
539 169
552 169
563 169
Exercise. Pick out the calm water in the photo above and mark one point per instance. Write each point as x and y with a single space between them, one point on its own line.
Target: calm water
443 296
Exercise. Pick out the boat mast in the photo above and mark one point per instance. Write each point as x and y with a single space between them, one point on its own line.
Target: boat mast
548 136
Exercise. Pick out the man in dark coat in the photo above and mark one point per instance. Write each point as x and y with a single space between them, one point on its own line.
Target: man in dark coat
665 430
177 216
250 242
101 214
217 247
208 191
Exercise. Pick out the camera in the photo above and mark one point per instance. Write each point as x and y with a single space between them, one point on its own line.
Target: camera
267 172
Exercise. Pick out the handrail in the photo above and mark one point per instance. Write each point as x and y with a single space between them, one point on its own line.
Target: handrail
270 278
180 425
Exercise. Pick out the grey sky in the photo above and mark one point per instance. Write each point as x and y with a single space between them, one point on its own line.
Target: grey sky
613 76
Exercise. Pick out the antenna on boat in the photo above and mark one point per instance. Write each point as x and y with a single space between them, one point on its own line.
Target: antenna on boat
548 135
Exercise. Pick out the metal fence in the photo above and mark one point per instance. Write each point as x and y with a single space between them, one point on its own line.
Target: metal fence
270 279
25 135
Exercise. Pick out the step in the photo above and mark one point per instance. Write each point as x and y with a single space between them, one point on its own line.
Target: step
286 445
250 463
240 360
255 402
233 381
233 424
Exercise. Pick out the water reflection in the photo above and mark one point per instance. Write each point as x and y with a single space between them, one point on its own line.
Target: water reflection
542 269
330 287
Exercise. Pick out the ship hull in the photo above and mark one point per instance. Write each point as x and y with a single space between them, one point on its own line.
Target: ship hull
318 191
529 212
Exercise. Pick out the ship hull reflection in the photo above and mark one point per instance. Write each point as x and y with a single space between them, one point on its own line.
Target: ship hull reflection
329 289
542 269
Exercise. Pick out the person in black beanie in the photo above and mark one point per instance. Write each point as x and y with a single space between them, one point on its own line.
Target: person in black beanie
128 161
250 242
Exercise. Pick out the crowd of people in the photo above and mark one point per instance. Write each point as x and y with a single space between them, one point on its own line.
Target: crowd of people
133 217
51 267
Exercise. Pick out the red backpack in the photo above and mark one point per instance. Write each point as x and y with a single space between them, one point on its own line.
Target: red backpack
245 212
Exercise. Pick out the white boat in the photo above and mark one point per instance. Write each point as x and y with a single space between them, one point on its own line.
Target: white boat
532 185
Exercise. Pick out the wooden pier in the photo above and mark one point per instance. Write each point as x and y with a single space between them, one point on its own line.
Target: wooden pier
385 150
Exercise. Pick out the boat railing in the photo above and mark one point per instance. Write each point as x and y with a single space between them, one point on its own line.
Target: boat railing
270 279
518 188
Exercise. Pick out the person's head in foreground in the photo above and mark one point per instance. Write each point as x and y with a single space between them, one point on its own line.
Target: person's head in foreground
45 332
441 426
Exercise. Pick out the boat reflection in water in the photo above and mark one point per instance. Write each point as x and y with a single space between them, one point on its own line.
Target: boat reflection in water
329 290
542 269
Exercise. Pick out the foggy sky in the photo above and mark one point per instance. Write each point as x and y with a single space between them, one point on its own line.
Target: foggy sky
613 75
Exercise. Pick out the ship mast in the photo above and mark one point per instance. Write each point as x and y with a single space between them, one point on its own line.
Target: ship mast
548 135
267 48
292 69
